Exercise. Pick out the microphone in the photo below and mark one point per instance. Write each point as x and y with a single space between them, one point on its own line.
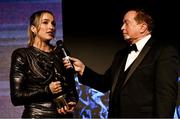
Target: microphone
60 100
59 44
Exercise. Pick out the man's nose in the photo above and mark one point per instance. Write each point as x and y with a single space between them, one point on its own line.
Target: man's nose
122 27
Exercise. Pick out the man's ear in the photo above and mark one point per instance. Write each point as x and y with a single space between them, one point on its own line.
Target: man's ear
33 29
143 27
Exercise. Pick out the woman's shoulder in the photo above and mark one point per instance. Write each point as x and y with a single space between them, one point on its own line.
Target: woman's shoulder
20 51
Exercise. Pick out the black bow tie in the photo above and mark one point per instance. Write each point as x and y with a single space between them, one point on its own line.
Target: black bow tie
132 47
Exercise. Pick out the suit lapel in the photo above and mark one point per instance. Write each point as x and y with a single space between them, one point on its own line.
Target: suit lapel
137 62
118 73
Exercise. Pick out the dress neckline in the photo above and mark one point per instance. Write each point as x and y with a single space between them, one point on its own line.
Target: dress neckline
37 49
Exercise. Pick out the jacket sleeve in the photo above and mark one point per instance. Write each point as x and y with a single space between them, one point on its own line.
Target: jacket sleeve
100 82
166 83
20 94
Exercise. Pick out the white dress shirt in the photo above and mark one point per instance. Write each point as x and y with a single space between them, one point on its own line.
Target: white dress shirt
133 54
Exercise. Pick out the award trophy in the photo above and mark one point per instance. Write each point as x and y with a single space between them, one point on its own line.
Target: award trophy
60 101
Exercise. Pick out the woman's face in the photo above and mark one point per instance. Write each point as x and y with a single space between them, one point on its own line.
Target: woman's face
46 29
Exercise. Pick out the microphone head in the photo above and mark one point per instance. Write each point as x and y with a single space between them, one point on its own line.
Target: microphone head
59 43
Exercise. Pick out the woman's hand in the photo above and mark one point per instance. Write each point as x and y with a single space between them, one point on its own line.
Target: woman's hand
69 108
55 87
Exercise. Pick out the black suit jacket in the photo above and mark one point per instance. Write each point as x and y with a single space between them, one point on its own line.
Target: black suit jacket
150 87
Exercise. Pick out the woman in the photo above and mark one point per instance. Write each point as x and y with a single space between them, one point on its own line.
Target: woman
38 79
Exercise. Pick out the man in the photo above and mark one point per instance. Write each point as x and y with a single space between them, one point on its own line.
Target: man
142 82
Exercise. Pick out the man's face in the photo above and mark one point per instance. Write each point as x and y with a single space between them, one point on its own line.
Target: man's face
130 28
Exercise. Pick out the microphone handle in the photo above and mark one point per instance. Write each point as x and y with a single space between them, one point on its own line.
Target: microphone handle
66 57
64 52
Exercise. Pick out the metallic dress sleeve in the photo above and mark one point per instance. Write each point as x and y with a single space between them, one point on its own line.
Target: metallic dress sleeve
20 94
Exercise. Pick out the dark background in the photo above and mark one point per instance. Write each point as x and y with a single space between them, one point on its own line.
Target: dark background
92 27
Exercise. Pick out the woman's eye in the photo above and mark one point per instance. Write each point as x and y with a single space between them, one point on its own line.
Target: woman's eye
45 22
53 23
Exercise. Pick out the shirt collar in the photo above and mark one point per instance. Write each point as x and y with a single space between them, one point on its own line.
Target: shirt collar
140 44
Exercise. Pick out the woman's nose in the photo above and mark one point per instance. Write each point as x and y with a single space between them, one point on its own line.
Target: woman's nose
51 26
